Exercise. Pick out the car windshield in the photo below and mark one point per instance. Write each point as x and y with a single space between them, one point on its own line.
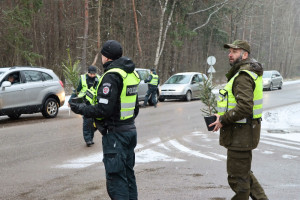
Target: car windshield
178 79
267 74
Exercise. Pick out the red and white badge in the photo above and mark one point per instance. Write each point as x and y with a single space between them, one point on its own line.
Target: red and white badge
105 90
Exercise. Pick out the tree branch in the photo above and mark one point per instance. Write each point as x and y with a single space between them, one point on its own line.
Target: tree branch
208 19
208 8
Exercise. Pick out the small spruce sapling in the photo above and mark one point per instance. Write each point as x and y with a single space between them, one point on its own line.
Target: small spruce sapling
71 71
207 97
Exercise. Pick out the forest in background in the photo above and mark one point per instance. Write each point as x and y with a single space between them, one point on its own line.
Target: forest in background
169 35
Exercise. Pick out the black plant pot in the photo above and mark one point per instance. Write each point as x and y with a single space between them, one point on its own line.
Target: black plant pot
209 120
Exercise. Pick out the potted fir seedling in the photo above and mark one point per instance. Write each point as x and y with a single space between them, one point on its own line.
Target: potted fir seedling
71 71
208 98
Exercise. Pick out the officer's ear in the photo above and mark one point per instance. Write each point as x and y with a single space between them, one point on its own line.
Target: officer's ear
245 55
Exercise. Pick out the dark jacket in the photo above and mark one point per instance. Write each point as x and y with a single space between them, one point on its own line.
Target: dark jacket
233 135
109 92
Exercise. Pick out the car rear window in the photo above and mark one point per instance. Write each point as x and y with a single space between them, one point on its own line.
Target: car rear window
267 74
143 74
46 76
33 76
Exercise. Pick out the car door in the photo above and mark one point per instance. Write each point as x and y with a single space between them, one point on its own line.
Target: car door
13 95
33 87
143 87
195 82
275 79
278 79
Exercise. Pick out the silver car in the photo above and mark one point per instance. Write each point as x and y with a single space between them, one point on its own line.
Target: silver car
31 90
184 86
143 87
272 79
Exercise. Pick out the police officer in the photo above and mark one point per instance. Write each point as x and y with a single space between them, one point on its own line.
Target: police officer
86 90
153 81
239 118
115 112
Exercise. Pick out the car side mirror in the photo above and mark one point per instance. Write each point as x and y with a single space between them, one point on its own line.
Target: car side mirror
6 84
193 82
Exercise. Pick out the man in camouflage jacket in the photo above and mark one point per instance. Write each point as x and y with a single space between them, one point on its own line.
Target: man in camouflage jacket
241 138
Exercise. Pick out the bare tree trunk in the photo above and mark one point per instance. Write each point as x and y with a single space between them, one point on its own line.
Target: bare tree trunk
244 28
251 24
261 34
98 25
60 28
162 36
271 38
137 30
85 36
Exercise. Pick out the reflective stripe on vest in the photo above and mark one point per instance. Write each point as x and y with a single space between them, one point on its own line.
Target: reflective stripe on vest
128 94
226 99
154 80
84 86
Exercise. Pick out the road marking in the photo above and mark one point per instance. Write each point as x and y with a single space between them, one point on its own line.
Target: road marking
164 146
289 156
179 146
149 155
155 140
280 140
280 145
219 155
267 152
82 162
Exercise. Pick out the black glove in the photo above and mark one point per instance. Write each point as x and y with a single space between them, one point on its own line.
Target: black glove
77 107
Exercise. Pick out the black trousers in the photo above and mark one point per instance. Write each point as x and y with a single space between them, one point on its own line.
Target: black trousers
119 160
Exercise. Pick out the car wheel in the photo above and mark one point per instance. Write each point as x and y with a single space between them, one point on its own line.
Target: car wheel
150 100
50 109
280 86
188 96
14 116
271 87
161 99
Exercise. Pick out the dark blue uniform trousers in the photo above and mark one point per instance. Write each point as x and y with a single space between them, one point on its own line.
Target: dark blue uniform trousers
88 129
151 91
119 159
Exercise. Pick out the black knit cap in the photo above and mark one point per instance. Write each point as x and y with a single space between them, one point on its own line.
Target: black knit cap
92 69
112 49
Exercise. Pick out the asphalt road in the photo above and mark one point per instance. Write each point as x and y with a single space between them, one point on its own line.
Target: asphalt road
176 157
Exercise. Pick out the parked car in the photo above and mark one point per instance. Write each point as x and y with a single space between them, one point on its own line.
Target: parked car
143 87
184 86
34 90
272 79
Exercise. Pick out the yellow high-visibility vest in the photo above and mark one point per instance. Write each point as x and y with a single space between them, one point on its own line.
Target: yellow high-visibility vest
226 99
128 94
154 80
90 94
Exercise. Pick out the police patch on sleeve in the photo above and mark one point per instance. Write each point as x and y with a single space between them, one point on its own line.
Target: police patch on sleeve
106 90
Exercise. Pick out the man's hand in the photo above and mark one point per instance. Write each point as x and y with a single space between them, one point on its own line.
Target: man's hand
77 107
217 123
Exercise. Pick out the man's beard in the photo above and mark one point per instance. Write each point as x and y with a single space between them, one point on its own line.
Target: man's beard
239 59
